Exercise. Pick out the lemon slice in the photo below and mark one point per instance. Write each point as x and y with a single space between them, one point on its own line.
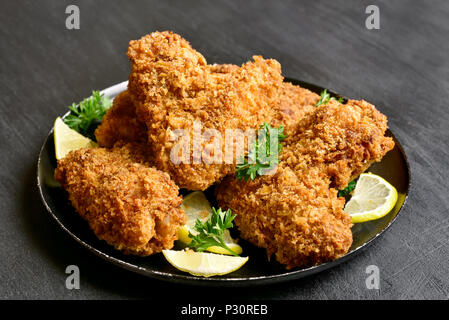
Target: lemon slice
203 263
372 199
196 206
67 139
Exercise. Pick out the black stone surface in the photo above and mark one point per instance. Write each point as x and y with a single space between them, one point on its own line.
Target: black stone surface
402 68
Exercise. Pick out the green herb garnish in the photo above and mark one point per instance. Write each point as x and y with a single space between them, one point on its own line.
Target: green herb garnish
87 115
325 97
346 192
211 232
260 159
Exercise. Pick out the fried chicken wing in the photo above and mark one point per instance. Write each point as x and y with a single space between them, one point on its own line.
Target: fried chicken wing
127 203
293 104
296 217
343 140
172 87
295 213
121 123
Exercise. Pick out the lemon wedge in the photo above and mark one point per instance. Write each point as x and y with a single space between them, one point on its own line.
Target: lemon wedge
196 206
67 139
373 198
203 264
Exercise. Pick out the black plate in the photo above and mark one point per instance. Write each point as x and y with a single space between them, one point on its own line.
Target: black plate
258 270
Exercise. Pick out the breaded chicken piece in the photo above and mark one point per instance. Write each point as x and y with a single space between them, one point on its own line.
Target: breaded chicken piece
293 104
172 87
127 203
343 140
295 213
223 68
295 216
120 123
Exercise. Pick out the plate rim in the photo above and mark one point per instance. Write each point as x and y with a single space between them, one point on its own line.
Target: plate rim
112 91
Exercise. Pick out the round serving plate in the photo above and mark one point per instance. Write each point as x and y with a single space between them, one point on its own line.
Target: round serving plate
258 270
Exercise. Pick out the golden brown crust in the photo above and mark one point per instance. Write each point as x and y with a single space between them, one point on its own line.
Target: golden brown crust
295 214
127 203
121 123
172 86
293 104
295 217
342 139
223 68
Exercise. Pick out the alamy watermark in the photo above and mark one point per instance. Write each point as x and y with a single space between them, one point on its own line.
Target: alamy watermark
373 19
373 280
73 19
196 145
73 280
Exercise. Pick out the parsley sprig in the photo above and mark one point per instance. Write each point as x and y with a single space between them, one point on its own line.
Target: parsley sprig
211 232
87 115
346 192
260 159
325 97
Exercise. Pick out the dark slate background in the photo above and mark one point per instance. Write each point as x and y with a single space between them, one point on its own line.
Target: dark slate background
403 68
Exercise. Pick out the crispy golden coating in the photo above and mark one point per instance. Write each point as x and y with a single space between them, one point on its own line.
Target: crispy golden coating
172 87
293 104
296 217
127 203
295 214
223 68
343 140
120 123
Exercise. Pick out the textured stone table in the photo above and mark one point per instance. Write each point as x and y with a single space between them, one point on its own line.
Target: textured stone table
403 68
